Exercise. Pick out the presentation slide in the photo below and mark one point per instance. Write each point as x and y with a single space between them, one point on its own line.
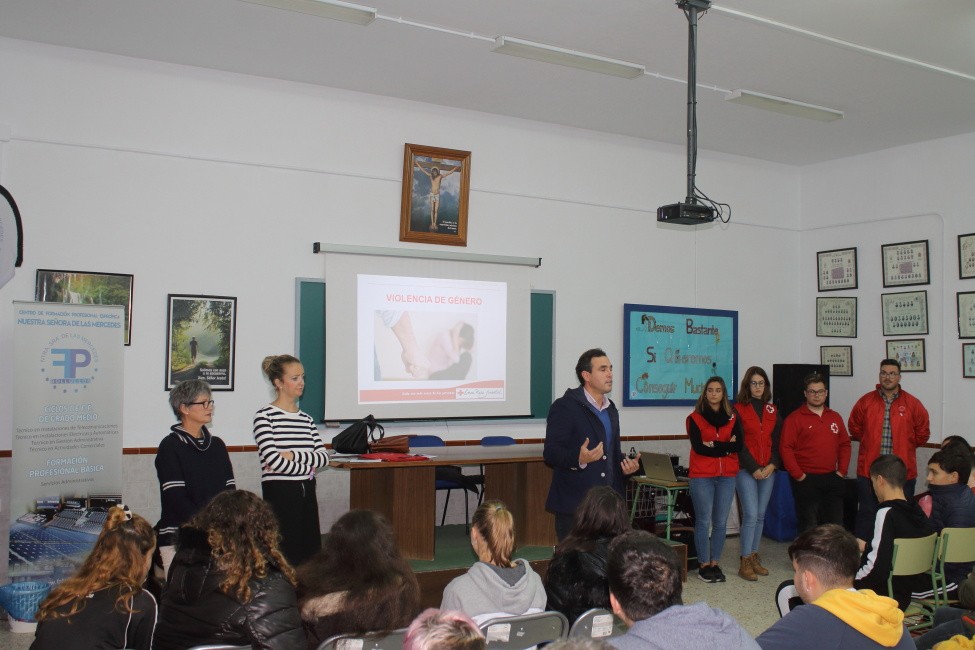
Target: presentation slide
430 340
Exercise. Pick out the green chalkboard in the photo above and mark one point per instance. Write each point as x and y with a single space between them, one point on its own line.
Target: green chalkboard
311 348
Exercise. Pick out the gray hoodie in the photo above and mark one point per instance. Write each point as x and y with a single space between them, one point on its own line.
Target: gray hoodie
482 594
686 627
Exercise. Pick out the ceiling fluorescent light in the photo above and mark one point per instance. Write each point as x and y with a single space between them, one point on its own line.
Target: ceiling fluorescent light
571 58
783 105
334 9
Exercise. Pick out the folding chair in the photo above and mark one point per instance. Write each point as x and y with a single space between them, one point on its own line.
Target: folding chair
957 545
392 641
597 623
911 557
447 477
526 631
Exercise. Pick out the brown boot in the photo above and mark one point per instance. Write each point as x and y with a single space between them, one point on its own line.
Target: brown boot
746 572
757 565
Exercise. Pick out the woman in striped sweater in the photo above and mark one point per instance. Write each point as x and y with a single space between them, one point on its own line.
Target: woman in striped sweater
291 451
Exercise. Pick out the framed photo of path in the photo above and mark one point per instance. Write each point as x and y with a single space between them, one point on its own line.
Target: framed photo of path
910 353
906 263
837 269
436 190
904 313
839 358
200 340
836 317
966 315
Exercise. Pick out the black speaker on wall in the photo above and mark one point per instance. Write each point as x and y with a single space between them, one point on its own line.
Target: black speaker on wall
788 387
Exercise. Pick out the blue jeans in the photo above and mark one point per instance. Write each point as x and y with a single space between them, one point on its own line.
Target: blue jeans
753 495
712 502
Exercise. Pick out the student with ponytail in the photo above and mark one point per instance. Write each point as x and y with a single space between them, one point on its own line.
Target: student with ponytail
104 604
496 585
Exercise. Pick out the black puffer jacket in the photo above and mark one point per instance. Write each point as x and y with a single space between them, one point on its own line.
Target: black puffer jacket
576 581
195 612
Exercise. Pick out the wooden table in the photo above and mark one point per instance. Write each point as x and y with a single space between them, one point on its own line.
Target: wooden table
405 494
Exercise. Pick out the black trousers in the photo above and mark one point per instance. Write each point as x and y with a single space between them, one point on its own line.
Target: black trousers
296 506
819 500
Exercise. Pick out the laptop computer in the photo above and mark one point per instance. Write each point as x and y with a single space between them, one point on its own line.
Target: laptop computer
659 468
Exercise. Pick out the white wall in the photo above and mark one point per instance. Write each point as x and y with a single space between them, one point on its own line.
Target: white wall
197 181
922 191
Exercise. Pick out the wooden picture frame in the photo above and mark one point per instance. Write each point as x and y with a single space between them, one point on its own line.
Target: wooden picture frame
966 314
212 357
836 317
910 353
87 287
966 256
906 263
436 193
839 358
968 360
904 313
836 269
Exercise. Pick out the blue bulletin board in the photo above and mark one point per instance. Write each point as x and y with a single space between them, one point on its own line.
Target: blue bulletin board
669 352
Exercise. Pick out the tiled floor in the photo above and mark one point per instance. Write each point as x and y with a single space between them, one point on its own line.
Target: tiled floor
752 603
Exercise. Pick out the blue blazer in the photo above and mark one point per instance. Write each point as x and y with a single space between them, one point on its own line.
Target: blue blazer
571 420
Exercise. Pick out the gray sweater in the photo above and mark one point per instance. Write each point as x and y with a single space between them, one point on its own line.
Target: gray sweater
483 594
686 627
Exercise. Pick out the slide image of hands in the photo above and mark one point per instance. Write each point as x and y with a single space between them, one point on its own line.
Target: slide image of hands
417 345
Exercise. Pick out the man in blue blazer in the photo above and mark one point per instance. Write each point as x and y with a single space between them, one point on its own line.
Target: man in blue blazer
582 440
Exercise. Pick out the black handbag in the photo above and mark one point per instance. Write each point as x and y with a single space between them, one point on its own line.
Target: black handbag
355 438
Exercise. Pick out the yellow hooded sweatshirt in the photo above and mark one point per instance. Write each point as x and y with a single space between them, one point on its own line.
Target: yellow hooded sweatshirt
876 617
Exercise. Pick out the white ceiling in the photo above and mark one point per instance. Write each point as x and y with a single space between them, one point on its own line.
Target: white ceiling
887 101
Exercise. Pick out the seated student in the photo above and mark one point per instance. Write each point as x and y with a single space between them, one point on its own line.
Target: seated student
437 629
104 604
835 615
496 585
229 583
958 445
952 505
896 517
645 592
576 577
359 581
949 622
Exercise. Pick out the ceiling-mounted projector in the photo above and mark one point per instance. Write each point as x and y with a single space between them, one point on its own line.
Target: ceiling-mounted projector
686 214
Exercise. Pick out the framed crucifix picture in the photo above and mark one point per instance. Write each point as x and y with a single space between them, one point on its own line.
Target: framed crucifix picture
436 189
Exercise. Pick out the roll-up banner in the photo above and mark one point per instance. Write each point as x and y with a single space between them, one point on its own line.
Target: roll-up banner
67 437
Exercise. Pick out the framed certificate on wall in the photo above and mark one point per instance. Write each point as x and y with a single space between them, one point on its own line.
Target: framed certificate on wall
966 315
905 313
906 263
839 358
836 317
837 269
910 353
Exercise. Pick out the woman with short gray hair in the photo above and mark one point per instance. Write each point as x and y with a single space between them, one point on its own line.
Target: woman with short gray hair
193 466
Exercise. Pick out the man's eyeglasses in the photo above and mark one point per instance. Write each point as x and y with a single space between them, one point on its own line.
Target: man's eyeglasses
205 403
821 391
889 374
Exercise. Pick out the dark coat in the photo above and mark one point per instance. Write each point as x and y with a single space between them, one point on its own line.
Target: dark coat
571 420
194 611
576 581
